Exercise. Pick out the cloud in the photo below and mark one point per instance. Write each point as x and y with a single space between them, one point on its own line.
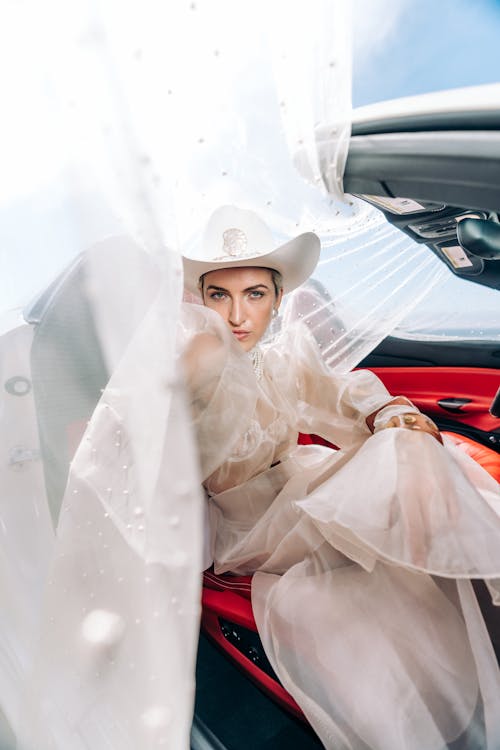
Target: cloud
375 22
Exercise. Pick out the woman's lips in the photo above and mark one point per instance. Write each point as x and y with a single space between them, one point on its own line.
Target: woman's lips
241 334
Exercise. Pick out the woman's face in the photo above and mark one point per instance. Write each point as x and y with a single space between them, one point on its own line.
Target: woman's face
245 298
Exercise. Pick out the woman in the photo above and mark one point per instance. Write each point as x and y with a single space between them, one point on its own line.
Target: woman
361 556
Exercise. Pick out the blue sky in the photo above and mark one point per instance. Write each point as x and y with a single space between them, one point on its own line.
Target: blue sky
428 45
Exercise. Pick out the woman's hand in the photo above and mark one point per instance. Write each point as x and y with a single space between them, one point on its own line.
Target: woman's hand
413 421
401 413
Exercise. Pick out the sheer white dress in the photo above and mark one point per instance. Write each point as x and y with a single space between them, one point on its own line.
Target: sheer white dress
362 556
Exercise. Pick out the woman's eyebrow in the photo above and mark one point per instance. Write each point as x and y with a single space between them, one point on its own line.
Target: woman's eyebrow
248 289
217 288
255 286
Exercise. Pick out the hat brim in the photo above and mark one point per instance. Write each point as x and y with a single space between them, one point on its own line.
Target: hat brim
295 260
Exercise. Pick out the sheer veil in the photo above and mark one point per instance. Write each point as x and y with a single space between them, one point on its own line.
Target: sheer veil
125 126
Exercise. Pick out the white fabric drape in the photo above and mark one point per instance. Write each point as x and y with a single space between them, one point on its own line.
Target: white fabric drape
116 649
314 86
100 586
99 636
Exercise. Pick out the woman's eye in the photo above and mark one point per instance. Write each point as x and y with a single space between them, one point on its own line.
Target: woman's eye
217 295
256 295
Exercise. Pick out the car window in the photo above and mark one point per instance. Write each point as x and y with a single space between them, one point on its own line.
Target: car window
454 310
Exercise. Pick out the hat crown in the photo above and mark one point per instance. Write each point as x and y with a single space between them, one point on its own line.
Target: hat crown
235 242
234 233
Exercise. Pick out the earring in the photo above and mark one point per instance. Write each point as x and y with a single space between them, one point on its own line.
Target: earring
275 312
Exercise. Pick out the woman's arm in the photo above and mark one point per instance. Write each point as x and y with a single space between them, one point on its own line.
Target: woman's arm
359 396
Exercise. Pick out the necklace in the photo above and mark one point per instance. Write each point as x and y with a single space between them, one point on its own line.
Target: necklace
257 361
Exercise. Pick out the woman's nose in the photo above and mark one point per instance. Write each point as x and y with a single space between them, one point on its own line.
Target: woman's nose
236 313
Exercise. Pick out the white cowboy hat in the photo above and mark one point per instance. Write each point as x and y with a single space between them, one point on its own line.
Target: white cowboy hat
235 238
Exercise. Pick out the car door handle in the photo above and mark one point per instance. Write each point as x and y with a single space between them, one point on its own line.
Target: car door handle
453 404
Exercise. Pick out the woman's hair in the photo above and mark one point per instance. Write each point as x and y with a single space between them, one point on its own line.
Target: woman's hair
277 280
276 277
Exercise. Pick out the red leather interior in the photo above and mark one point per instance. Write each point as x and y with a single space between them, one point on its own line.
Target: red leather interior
228 597
425 386
314 439
241 585
487 458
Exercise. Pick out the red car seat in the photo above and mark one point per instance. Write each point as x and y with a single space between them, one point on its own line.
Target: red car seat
486 457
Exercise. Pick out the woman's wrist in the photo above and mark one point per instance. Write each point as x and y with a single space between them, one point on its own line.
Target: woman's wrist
398 401
385 415
403 414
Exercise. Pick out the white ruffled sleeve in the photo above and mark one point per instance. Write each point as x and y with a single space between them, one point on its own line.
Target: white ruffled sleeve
330 405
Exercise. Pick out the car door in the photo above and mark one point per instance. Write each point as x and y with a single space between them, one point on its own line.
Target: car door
455 383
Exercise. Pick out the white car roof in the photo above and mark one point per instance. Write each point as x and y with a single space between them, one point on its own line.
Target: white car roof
469 99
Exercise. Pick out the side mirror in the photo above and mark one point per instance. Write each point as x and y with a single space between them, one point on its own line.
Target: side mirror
480 237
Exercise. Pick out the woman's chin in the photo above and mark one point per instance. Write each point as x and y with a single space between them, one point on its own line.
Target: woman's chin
246 340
